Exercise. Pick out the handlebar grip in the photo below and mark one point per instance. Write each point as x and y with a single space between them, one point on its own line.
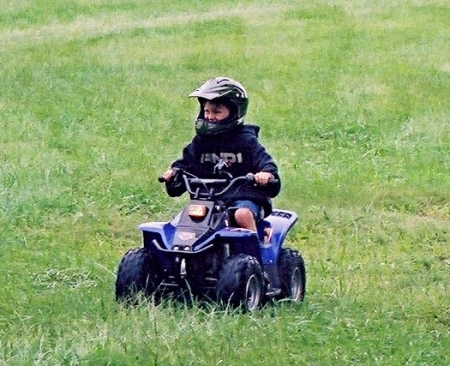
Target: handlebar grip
175 173
250 178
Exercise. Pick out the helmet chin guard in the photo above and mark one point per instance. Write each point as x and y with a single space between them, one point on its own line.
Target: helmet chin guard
205 127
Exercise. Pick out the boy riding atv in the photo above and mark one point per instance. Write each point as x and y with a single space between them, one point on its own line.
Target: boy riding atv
222 135
227 243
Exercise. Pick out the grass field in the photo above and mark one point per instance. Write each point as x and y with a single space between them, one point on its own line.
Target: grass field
353 101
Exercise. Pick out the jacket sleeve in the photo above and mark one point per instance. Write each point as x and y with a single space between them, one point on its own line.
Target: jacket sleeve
176 186
265 163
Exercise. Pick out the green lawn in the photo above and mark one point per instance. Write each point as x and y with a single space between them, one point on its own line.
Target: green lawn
353 101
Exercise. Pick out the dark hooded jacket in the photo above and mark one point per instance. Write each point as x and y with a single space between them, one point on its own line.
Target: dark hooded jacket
244 154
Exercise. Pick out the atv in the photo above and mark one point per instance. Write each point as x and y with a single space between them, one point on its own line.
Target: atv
201 253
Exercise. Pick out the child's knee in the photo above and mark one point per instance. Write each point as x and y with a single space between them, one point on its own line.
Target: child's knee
243 214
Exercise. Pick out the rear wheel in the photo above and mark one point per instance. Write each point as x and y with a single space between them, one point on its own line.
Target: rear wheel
138 273
292 272
241 282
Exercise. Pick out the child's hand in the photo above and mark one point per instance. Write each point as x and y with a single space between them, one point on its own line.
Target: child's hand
168 175
263 178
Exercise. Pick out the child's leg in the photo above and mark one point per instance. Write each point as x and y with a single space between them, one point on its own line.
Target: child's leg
247 213
245 219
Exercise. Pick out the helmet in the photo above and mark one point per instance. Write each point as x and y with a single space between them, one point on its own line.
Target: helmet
225 91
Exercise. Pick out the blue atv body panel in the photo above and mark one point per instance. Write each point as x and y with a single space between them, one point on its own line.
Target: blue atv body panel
271 233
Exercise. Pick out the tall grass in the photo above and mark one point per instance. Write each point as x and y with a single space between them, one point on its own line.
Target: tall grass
352 98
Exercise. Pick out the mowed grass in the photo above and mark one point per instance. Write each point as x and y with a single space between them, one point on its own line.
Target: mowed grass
353 101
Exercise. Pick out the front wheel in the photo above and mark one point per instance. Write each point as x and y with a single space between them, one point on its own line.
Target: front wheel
138 273
292 272
241 282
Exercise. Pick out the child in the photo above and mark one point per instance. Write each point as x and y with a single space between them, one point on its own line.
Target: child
221 134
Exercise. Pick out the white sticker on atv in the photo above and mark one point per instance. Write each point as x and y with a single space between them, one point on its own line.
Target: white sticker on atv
186 235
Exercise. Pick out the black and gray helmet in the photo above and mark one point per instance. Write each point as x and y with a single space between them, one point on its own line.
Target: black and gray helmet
225 91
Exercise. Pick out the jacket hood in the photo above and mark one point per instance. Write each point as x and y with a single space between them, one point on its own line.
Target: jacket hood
250 129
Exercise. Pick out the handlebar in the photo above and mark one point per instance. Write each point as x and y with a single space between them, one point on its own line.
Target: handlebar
208 184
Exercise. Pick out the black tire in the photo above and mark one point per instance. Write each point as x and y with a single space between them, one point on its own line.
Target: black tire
138 273
241 282
292 272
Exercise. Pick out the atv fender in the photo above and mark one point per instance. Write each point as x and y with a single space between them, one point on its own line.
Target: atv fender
272 231
164 231
240 241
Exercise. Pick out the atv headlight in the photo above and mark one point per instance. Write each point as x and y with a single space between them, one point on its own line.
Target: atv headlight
197 211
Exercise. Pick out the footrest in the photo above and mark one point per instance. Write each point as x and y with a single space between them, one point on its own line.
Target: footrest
273 292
